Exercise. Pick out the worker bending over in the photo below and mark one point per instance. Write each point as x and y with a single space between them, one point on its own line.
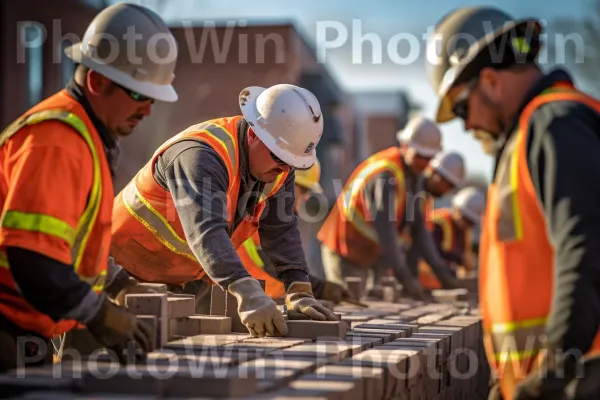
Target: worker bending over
452 230
444 174
260 266
378 201
539 263
56 193
210 188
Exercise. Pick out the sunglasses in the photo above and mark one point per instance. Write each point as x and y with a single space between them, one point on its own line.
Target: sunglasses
278 160
461 103
135 95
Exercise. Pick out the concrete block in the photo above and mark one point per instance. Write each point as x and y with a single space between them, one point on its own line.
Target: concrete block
274 372
329 351
141 288
364 342
201 342
224 303
199 324
316 329
331 389
152 304
179 307
355 285
225 383
383 336
371 378
402 330
218 300
393 334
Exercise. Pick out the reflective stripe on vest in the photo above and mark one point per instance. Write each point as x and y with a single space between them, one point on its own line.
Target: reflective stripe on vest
353 192
46 224
517 340
252 251
444 221
141 210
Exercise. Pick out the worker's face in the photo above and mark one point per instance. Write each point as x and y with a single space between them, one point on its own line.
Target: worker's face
121 109
416 162
437 185
479 104
301 195
264 165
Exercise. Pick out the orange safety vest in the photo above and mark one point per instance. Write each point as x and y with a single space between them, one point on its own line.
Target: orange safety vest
443 218
254 264
89 242
517 257
148 239
348 230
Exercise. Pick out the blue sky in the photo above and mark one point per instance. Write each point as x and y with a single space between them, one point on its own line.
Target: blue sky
385 18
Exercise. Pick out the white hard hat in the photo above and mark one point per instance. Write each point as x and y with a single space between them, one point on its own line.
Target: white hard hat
133 47
287 119
451 166
422 135
470 202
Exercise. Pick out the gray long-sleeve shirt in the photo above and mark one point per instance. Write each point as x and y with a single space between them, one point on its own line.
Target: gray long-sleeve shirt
197 179
380 195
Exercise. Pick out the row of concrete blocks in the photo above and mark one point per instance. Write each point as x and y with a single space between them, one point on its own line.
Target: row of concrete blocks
391 356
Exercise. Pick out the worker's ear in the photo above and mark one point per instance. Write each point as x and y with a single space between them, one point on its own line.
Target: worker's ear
96 83
251 136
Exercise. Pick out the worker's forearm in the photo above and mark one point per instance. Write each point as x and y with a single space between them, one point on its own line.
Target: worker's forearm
51 287
280 238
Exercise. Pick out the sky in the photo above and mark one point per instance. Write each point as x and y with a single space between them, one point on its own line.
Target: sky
321 21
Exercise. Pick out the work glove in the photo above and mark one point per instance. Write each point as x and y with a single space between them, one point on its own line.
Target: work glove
257 310
546 382
115 327
301 303
331 291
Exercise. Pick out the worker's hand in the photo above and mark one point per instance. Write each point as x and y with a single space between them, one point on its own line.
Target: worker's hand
257 310
332 291
545 382
114 327
300 302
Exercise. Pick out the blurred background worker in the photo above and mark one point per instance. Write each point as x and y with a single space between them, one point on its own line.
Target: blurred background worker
540 248
452 230
216 184
361 232
260 266
57 193
445 173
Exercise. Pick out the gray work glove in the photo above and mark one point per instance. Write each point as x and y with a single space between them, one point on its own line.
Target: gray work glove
327 290
257 310
301 303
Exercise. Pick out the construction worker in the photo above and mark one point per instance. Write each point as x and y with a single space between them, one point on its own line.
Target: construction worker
57 195
260 267
445 173
539 264
378 201
211 187
453 234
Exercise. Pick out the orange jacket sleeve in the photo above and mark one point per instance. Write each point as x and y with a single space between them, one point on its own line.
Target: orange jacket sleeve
45 182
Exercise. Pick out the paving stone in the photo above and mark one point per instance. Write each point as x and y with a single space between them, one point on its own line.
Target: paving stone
317 329
329 351
394 334
384 336
200 342
143 288
364 341
274 372
402 330
332 389
199 324
179 307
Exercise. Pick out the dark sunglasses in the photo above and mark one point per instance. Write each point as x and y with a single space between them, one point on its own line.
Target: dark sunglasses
135 95
461 103
278 160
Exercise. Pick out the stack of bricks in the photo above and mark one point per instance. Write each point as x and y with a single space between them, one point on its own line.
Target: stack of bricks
405 350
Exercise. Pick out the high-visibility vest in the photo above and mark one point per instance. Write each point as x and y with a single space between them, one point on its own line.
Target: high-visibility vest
89 241
450 244
254 264
148 239
516 256
349 230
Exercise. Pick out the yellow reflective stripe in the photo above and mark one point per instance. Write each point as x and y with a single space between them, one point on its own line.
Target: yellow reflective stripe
271 188
252 251
519 339
448 231
87 220
38 223
353 191
509 224
225 139
142 211
97 283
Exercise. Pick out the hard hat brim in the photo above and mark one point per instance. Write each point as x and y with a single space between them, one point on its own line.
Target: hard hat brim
444 112
423 152
248 105
164 93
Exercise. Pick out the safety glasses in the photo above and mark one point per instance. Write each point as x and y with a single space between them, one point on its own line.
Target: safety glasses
278 160
135 95
461 102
